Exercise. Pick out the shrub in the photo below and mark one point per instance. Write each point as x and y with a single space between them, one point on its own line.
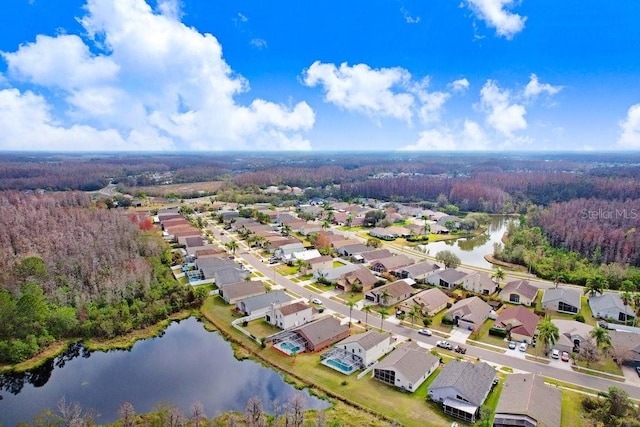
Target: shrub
579 318
447 320
498 332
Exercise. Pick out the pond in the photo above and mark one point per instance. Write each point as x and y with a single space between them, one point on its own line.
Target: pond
471 251
187 364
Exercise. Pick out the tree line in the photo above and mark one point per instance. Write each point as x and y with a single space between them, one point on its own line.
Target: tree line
69 269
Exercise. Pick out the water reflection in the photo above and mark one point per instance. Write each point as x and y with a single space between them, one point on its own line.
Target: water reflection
472 250
188 364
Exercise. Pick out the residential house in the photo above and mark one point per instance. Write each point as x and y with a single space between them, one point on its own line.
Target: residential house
572 334
209 251
306 255
392 263
320 263
480 283
469 313
227 276
361 278
233 293
449 221
383 233
462 387
369 257
519 292
611 306
322 333
209 265
418 271
527 401
407 367
195 241
261 303
565 300
430 301
332 275
309 228
285 252
353 250
391 293
367 347
519 321
447 278
290 315
339 244
626 346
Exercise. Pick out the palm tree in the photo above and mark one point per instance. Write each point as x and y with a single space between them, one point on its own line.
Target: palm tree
626 300
548 333
232 245
416 310
426 228
325 224
367 309
384 296
350 304
498 275
286 230
601 337
595 285
383 315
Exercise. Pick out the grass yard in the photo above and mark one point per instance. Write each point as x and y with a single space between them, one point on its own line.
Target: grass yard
338 264
571 409
436 323
260 328
483 336
320 287
286 270
585 311
306 277
345 297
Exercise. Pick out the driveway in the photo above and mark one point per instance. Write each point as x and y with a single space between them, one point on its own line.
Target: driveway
459 335
630 375
515 353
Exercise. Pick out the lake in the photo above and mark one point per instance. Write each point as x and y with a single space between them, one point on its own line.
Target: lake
185 365
471 251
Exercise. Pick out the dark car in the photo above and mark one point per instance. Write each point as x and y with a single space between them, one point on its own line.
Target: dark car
638 370
460 349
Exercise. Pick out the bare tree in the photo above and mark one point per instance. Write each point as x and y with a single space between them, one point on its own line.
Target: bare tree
321 418
127 415
197 414
589 352
295 411
254 412
73 415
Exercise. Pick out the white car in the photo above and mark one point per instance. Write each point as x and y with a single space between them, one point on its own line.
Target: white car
555 353
316 301
425 331
523 346
445 344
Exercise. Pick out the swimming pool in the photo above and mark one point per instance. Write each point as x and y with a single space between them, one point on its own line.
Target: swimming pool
340 366
288 347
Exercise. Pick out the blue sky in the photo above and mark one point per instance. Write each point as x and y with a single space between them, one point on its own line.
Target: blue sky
168 75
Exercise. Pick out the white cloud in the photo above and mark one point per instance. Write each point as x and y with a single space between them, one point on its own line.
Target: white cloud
496 15
469 137
535 88
377 93
630 137
474 137
259 43
154 76
242 18
459 85
503 115
408 18
431 103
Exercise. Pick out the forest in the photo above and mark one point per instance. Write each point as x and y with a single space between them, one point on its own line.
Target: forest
70 269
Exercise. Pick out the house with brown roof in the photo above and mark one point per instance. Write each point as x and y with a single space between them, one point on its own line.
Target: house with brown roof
322 333
431 302
527 401
391 264
519 321
469 313
324 262
407 367
361 278
290 315
626 345
572 334
369 257
231 294
519 292
390 294
480 283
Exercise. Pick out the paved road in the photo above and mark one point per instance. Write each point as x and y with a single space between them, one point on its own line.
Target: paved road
518 363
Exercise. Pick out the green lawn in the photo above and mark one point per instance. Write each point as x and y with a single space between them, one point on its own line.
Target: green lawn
286 270
260 328
436 323
337 264
606 364
571 409
321 287
483 336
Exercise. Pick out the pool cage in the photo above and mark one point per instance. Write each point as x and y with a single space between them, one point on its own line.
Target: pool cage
289 343
341 360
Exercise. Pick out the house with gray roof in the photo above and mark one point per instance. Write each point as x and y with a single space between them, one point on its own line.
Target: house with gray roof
418 271
527 401
375 255
469 313
285 252
611 306
561 299
431 301
230 275
626 346
390 294
364 349
331 275
572 334
209 265
353 250
462 387
407 367
321 263
519 292
392 263
447 278
231 294
262 303
383 233
480 283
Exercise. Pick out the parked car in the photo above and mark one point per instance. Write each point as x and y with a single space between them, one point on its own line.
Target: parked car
638 370
512 345
523 346
316 301
565 356
445 344
460 349
425 331
555 353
